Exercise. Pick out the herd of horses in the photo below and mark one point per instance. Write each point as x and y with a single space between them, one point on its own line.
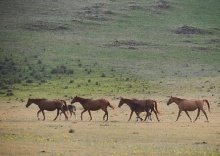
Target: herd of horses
136 106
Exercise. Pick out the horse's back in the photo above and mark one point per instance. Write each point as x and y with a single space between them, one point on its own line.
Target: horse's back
96 104
51 105
190 105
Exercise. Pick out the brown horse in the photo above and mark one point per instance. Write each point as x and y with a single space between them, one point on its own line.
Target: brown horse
49 105
93 105
139 106
189 105
134 106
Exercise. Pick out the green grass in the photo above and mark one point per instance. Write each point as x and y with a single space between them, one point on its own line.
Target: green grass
132 43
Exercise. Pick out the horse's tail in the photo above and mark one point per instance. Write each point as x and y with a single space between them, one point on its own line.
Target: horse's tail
113 107
156 107
65 106
207 104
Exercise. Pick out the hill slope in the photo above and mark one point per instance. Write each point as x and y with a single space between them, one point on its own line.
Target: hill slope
60 48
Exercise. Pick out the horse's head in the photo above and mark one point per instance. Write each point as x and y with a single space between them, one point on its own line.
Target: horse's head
74 99
29 102
121 102
170 101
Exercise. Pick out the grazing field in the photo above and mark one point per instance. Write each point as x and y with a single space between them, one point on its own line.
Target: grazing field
22 134
58 49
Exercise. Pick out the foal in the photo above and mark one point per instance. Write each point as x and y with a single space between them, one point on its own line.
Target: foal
72 110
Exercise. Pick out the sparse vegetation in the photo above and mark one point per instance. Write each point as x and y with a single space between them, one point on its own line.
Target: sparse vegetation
59 49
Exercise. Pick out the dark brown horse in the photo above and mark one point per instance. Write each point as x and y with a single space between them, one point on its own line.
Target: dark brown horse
139 106
189 105
134 106
93 105
49 105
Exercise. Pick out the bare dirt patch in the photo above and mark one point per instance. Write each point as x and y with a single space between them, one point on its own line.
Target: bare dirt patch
186 30
160 6
213 41
44 25
96 12
128 44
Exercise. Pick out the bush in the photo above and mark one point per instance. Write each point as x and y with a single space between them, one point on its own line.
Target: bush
29 81
62 70
103 75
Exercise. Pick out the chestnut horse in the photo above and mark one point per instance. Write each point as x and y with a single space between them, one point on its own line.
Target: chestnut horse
49 105
189 105
93 105
139 106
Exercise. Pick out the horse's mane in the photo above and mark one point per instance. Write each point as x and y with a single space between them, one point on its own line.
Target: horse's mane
179 99
39 99
84 99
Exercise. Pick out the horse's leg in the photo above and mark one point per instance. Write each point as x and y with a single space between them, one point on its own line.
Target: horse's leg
106 114
71 112
64 112
178 115
90 115
147 116
57 114
150 115
131 115
60 114
82 113
74 115
188 115
197 114
43 114
205 115
38 114
137 113
156 115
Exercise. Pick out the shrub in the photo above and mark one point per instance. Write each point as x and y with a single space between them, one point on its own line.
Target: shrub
103 75
29 81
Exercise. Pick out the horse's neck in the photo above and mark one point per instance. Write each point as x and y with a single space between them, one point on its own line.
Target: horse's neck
82 101
38 101
128 102
178 100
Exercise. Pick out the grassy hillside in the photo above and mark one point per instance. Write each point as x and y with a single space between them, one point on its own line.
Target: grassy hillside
58 49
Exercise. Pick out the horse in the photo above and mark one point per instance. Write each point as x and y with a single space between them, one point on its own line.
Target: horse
189 105
93 105
134 106
71 109
153 106
49 105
